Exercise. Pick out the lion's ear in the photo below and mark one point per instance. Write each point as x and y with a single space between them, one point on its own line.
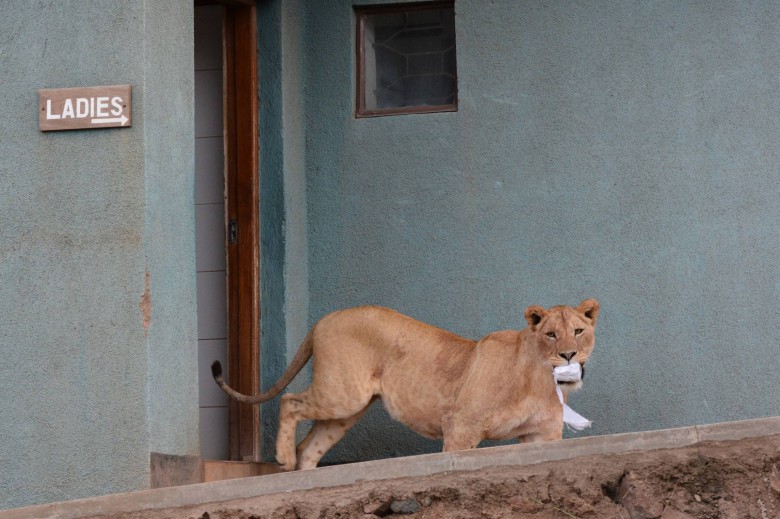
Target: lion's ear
534 315
590 309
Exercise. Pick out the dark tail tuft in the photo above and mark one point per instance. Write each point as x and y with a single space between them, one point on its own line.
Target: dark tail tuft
216 370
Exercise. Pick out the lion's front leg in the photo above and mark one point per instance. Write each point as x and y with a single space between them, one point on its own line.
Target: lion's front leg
460 435
550 431
462 443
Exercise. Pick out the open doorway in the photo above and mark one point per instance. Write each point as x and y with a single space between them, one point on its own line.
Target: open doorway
226 209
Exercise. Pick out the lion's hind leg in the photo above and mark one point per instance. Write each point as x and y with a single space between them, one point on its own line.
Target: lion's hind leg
324 434
308 406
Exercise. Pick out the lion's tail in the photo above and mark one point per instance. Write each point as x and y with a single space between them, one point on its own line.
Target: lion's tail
299 361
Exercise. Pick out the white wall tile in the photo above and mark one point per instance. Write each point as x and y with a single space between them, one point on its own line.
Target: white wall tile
209 351
210 229
209 170
214 433
208 103
208 37
209 237
212 305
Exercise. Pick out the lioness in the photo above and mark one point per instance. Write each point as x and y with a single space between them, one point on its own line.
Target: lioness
439 384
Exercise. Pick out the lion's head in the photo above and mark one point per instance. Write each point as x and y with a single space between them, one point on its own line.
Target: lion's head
565 333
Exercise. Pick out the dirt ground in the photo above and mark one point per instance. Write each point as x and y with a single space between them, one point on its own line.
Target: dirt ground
739 479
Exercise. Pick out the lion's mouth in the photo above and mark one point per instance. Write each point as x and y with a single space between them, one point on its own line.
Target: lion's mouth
572 382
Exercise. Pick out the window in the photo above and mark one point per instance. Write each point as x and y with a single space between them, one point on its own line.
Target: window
406 59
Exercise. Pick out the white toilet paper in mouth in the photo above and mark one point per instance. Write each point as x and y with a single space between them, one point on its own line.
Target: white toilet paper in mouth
570 373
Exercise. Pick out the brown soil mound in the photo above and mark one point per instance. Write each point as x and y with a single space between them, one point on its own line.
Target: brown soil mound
738 479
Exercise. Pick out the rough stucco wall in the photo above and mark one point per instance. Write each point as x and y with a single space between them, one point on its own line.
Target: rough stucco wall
284 261
623 151
272 213
76 379
170 226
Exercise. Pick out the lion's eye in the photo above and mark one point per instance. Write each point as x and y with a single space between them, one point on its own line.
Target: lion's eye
551 335
578 331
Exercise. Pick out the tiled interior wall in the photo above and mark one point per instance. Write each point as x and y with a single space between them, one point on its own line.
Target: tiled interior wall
210 228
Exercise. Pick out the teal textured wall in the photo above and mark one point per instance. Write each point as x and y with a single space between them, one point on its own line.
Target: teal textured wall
88 391
618 150
169 226
284 220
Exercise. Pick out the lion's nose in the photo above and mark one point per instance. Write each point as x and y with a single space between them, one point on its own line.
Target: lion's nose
567 355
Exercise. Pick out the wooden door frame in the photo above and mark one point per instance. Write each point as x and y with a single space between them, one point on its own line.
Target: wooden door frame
242 223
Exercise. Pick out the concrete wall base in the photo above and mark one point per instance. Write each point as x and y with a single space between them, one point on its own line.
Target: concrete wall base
425 465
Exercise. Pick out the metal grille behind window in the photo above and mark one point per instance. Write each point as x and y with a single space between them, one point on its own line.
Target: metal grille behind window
406 59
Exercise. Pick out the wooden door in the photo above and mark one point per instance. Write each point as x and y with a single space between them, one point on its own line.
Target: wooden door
243 262
227 207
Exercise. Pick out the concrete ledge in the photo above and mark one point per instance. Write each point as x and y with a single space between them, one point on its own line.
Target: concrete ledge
412 466
168 470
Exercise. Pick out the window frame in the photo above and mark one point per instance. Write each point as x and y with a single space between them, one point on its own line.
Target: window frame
361 11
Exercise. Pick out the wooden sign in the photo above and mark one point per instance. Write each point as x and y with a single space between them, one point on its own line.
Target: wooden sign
84 107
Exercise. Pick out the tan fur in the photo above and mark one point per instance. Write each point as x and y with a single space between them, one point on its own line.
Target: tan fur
439 384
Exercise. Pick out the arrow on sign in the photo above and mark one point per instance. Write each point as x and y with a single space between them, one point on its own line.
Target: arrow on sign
110 120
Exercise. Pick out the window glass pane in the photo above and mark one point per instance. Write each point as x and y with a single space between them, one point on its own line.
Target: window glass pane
409 59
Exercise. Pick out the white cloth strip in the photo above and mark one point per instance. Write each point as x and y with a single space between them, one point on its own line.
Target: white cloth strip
570 373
